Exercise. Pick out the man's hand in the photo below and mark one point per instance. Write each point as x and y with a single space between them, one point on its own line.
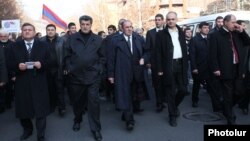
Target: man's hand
217 73
195 71
111 80
65 72
22 66
13 78
1 84
160 73
37 65
141 62
239 28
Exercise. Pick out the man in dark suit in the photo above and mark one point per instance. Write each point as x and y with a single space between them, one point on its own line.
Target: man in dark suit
215 85
84 64
171 52
198 52
157 80
6 90
29 61
218 24
55 73
245 99
3 78
125 71
108 48
227 61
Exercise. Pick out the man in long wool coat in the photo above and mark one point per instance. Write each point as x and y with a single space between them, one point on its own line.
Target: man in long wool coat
29 61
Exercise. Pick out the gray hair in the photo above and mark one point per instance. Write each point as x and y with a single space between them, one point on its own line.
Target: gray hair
171 12
126 21
2 31
138 30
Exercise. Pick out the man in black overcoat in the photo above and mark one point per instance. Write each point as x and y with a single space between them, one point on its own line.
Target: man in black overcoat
171 58
29 61
157 80
228 63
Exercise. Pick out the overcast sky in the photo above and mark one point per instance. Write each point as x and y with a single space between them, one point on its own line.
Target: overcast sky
63 8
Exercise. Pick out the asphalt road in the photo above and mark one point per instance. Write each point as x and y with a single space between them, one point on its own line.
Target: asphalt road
150 126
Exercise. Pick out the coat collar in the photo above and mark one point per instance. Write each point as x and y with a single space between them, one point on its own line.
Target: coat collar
177 26
136 43
79 37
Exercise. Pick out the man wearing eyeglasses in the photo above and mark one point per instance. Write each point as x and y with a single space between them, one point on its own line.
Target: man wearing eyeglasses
171 62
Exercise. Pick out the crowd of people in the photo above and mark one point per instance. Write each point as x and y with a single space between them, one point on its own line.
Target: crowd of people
37 71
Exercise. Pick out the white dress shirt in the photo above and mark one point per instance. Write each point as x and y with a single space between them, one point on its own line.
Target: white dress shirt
176 43
158 29
131 43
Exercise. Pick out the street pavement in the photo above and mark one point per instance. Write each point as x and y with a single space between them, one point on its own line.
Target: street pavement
149 126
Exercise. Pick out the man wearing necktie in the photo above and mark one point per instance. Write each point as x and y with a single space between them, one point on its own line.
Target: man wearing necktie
125 71
227 62
198 51
157 80
29 62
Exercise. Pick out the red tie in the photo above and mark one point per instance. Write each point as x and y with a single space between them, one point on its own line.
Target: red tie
234 49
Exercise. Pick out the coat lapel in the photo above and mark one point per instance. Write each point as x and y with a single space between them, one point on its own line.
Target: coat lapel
136 44
124 46
33 50
24 50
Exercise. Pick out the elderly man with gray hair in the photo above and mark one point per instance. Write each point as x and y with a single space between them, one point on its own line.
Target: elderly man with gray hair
6 90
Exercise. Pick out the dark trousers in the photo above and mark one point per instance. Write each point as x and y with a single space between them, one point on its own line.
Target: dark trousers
215 92
159 88
56 91
232 90
9 93
6 94
2 98
177 90
196 87
40 126
110 90
86 97
245 100
128 113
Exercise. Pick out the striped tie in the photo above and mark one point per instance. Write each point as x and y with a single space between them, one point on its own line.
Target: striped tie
29 47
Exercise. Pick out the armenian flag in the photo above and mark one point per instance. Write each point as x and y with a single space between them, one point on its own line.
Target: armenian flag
53 18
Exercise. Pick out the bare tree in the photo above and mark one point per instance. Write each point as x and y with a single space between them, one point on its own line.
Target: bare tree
9 10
